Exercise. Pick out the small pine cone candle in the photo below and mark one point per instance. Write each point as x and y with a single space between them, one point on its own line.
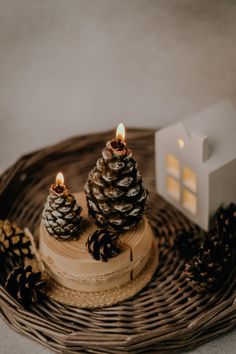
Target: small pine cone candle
226 223
103 244
115 193
25 285
61 215
13 240
207 268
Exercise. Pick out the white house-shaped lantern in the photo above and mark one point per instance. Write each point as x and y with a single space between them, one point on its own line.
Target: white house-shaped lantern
196 163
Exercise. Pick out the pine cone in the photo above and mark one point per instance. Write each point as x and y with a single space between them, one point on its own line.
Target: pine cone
25 285
13 240
103 244
115 193
188 242
207 268
61 215
226 223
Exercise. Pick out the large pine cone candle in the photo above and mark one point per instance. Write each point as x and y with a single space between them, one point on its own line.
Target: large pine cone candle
116 196
13 240
61 215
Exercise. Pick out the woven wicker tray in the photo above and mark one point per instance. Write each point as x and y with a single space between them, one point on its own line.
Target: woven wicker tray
166 316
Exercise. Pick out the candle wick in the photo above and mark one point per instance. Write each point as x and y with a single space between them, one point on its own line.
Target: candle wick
58 188
120 144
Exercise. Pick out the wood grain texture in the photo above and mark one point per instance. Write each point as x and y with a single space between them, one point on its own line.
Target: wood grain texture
166 316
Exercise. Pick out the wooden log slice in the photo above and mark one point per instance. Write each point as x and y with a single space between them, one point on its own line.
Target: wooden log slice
70 264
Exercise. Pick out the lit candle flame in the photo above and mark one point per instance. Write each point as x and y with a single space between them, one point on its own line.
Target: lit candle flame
60 179
120 132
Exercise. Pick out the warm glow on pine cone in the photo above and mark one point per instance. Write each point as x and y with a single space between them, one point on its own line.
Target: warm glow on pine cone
60 179
120 132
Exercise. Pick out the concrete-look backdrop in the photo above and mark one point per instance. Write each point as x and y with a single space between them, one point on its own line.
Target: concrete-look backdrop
76 66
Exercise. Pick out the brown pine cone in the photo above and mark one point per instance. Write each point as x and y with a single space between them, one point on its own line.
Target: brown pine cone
103 244
226 223
206 269
25 285
61 215
115 192
13 240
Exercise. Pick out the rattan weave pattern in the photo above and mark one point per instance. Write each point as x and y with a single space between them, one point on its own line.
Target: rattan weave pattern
165 317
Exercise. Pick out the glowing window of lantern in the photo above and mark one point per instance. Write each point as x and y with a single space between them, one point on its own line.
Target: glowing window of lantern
190 179
180 143
190 201
173 188
172 166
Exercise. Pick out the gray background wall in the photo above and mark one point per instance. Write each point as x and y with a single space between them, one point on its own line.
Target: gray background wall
76 66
